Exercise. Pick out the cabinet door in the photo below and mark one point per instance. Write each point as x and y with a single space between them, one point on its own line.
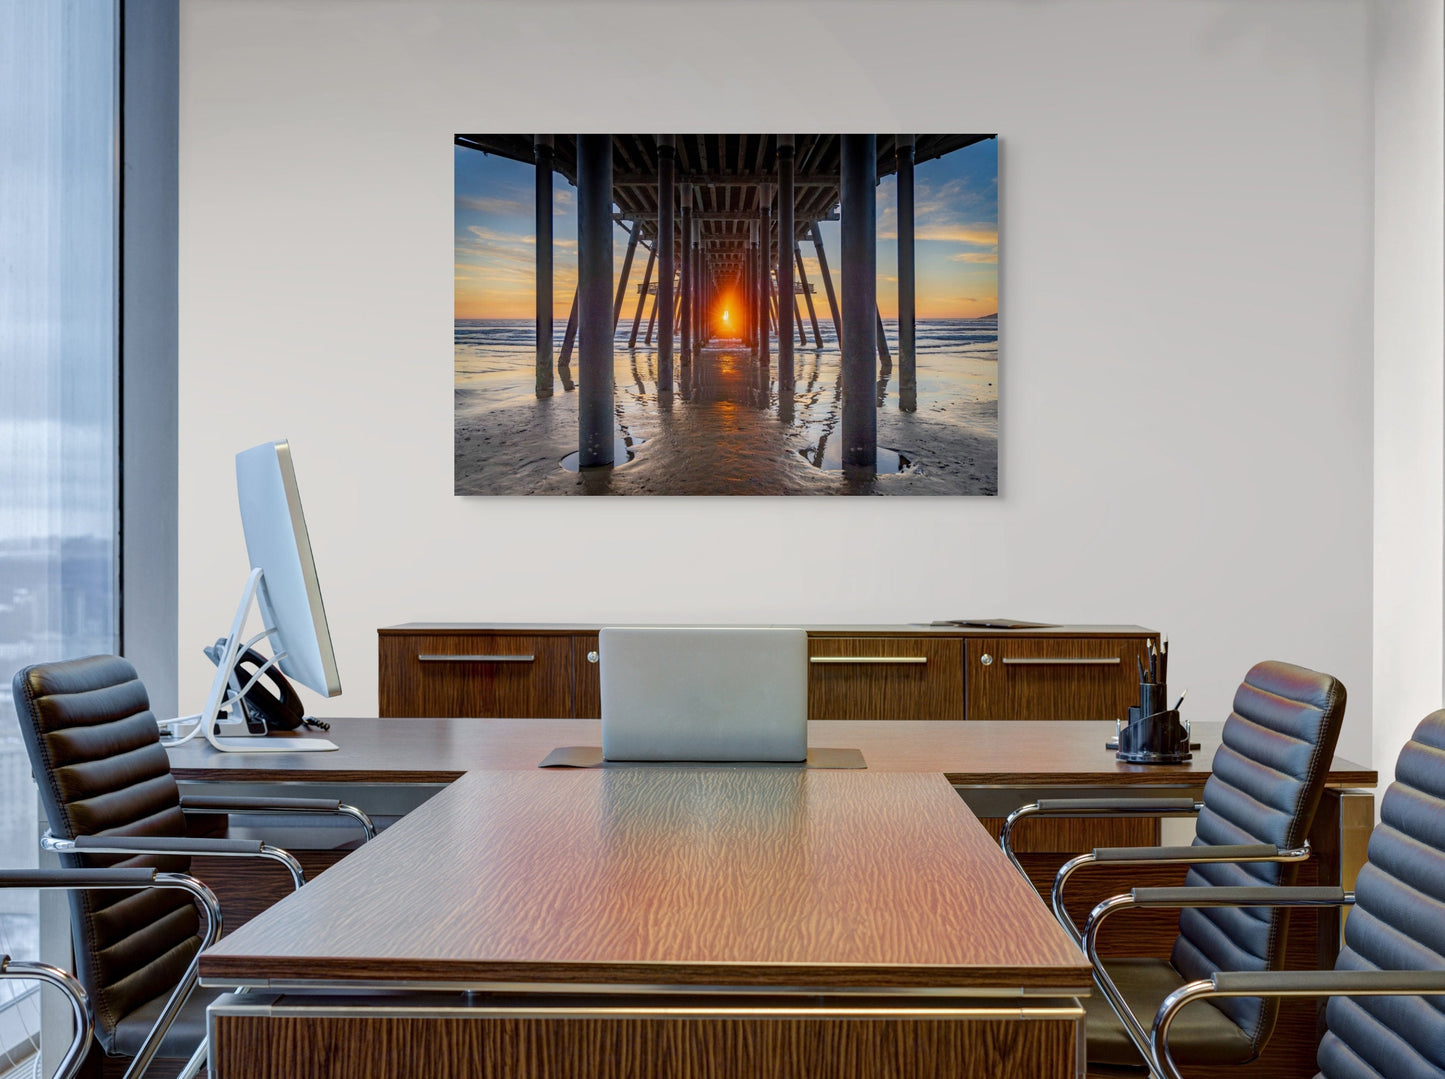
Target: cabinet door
589 677
885 678
499 676
1052 677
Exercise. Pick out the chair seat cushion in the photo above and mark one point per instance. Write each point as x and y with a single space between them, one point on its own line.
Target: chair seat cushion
184 1035
1201 1034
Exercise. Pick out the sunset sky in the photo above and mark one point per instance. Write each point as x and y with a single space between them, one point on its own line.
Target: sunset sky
956 239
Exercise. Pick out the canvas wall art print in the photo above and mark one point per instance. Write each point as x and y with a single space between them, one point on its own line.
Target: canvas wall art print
726 314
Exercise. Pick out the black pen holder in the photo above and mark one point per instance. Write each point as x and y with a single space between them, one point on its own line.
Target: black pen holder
1154 734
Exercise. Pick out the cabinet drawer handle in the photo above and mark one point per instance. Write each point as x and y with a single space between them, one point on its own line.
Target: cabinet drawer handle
476 659
1062 661
867 659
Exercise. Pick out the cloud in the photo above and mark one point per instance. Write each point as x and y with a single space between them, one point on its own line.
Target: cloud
976 235
975 256
492 204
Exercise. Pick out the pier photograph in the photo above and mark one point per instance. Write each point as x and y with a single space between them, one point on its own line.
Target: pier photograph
726 314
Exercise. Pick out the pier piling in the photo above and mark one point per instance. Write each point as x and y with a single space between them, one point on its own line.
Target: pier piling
626 272
542 149
666 270
684 191
642 299
828 284
885 359
907 325
786 306
765 258
594 305
569 338
858 173
808 296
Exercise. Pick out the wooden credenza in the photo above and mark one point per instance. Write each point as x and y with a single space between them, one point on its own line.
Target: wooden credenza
856 672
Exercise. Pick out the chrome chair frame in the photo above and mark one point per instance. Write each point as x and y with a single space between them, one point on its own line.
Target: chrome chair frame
127 879
1276 983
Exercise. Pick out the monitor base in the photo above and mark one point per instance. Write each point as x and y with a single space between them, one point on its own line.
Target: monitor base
272 745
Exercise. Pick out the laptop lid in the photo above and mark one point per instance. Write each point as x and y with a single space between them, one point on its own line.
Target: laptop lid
685 693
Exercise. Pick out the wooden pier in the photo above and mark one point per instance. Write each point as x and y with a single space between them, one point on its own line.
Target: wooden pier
722 219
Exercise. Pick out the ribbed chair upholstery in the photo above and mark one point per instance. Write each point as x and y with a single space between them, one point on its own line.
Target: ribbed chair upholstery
102 771
1398 923
1266 782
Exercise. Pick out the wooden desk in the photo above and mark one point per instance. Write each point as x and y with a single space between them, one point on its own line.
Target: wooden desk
392 766
769 921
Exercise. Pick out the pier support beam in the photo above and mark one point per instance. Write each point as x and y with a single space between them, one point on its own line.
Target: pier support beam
542 148
684 191
569 338
626 273
642 298
666 270
786 305
699 287
828 284
885 358
907 325
798 322
808 296
858 169
652 318
765 259
755 324
594 304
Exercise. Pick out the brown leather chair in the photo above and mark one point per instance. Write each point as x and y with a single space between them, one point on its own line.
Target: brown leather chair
110 799
1258 804
1386 1015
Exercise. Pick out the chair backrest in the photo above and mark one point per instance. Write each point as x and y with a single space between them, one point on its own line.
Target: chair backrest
1398 923
101 769
1264 787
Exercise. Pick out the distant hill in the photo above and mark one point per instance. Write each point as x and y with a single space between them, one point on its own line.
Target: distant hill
981 318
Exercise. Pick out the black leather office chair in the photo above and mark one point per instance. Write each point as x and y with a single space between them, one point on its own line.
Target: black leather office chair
1387 1016
110 800
1258 804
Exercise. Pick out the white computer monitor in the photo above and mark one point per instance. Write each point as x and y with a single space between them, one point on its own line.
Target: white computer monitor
283 583
279 546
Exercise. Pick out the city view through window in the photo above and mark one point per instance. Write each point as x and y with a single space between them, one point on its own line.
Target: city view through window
58 402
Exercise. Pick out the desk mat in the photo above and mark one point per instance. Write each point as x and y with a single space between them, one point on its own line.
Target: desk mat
591 757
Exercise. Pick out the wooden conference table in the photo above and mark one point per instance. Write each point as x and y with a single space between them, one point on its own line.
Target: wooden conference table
671 920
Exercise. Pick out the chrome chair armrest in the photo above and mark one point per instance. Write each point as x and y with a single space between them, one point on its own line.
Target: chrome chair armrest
1092 808
183 846
1193 855
1285 983
86 879
207 803
1263 896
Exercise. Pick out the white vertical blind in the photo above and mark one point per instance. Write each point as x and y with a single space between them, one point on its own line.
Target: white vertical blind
59 184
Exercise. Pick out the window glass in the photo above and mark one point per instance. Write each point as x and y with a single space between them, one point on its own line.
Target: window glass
59 143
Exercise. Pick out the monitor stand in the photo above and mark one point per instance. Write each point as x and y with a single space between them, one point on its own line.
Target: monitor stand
226 679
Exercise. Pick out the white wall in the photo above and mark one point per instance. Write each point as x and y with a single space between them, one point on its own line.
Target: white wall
1186 217
1408 54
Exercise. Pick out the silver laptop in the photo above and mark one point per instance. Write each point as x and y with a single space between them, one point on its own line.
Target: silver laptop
704 694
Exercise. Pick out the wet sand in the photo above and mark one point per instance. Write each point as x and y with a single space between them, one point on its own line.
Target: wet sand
725 431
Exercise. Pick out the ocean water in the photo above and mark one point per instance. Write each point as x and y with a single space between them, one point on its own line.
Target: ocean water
726 428
490 346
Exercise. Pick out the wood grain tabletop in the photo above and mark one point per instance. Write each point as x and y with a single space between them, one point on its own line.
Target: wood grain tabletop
680 876
969 753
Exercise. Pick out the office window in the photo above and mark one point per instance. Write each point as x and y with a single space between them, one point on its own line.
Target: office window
59 482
